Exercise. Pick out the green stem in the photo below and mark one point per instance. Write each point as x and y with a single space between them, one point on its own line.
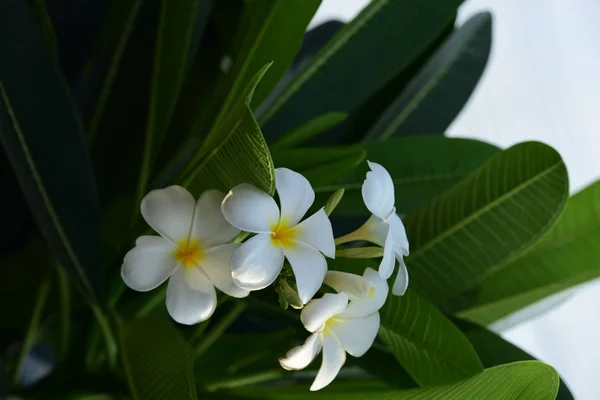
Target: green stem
32 330
220 327
107 333
271 308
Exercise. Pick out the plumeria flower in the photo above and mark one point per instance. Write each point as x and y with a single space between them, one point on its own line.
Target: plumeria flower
346 322
192 250
258 261
384 227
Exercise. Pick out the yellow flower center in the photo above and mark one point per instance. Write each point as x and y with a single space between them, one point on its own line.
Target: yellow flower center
371 292
188 253
283 234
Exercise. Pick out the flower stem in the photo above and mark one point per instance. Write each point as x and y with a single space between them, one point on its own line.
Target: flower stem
245 380
220 327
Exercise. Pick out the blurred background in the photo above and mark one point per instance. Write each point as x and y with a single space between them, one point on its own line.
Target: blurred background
541 83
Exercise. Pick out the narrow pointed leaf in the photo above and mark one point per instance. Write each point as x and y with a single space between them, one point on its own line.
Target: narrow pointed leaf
566 256
486 221
42 137
175 31
158 361
242 157
360 59
435 96
321 166
309 130
421 166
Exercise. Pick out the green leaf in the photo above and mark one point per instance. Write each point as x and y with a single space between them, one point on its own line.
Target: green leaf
383 365
122 17
421 166
158 362
435 96
493 351
360 59
242 157
310 129
528 380
566 256
431 349
486 221
269 31
321 166
175 30
47 151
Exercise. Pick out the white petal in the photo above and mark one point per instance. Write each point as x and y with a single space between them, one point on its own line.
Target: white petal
149 263
356 335
300 356
169 212
316 231
378 191
355 286
216 265
209 227
250 209
376 296
257 263
318 311
401 282
191 298
386 267
334 358
398 234
309 268
375 230
295 195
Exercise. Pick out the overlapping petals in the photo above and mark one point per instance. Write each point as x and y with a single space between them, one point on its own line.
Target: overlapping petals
345 322
192 252
279 234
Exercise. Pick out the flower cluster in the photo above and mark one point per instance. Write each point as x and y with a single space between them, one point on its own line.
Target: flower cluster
197 251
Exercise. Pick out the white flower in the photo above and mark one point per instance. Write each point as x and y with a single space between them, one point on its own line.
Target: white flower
258 261
339 326
192 250
384 227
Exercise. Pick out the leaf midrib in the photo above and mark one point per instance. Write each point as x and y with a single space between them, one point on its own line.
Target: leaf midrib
487 208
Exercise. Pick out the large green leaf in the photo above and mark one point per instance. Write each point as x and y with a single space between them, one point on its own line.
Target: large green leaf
493 351
269 31
528 380
421 166
431 349
567 255
321 166
434 97
43 139
360 59
158 362
476 227
175 31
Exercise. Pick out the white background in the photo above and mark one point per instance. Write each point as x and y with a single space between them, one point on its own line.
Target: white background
542 84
